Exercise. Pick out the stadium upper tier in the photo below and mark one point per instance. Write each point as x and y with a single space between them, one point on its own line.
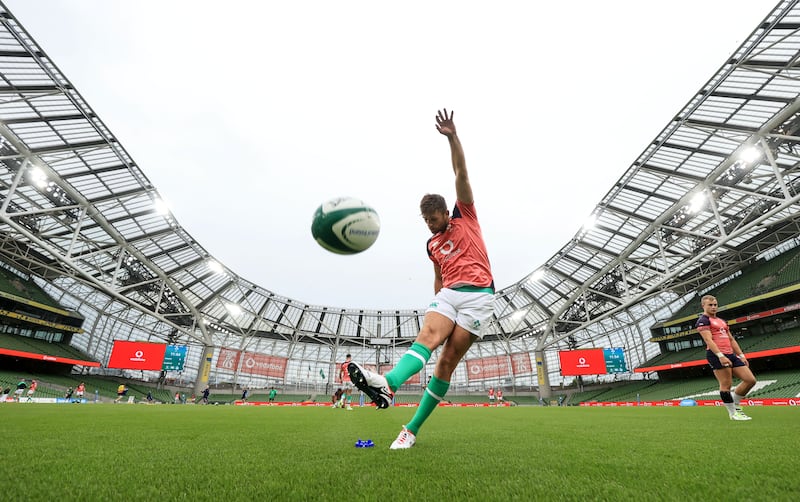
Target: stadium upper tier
758 278
716 188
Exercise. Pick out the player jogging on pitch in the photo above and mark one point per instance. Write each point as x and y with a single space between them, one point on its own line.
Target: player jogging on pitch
725 358
463 303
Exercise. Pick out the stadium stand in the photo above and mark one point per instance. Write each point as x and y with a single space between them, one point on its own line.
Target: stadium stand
25 305
35 330
785 384
38 346
761 305
763 276
15 285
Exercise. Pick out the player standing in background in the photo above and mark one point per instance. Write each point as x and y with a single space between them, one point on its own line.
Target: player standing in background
32 389
347 384
499 394
79 391
491 396
21 386
464 300
725 358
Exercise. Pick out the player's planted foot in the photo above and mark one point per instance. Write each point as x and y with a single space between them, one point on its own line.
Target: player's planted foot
372 384
405 440
739 416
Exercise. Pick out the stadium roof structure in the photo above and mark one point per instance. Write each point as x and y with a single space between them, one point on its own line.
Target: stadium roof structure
717 187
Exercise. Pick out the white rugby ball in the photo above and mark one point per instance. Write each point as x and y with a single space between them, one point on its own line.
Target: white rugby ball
345 225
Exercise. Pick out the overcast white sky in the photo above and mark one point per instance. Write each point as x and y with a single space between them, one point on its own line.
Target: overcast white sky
246 115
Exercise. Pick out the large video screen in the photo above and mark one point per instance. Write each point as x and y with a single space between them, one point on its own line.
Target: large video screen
615 360
175 357
582 362
137 355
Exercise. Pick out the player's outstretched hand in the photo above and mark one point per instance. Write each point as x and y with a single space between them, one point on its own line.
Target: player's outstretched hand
444 123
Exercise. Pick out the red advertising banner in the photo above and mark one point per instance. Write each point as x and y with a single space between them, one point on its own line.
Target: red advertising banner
252 363
774 401
228 359
137 355
443 404
582 362
45 357
260 364
521 363
488 367
766 313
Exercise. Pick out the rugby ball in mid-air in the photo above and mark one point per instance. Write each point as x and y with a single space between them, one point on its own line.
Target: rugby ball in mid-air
345 225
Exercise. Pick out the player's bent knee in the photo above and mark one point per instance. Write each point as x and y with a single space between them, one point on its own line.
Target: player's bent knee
447 363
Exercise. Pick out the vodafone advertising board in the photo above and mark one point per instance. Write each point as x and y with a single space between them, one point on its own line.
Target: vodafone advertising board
582 362
137 355
252 363
484 368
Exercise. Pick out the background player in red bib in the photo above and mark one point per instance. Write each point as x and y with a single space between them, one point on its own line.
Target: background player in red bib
725 358
32 389
463 304
79 391
347 384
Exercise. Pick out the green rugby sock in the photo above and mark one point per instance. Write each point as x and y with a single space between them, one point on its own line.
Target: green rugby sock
431 398
410 364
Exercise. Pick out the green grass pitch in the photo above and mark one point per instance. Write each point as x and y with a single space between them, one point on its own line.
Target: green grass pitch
139 452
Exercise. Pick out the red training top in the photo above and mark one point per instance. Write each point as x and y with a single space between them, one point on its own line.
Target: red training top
719 332
460 251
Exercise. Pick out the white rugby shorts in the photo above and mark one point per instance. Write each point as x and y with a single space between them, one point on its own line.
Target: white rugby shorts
470 310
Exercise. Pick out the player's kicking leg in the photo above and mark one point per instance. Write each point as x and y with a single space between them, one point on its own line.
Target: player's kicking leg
372 384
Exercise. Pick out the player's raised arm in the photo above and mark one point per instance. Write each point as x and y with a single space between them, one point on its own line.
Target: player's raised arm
445 125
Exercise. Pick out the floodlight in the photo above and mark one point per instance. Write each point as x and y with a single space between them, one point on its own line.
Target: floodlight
750 154
215 266
160 206
697 203
517 316
536 275
233 309
37 177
